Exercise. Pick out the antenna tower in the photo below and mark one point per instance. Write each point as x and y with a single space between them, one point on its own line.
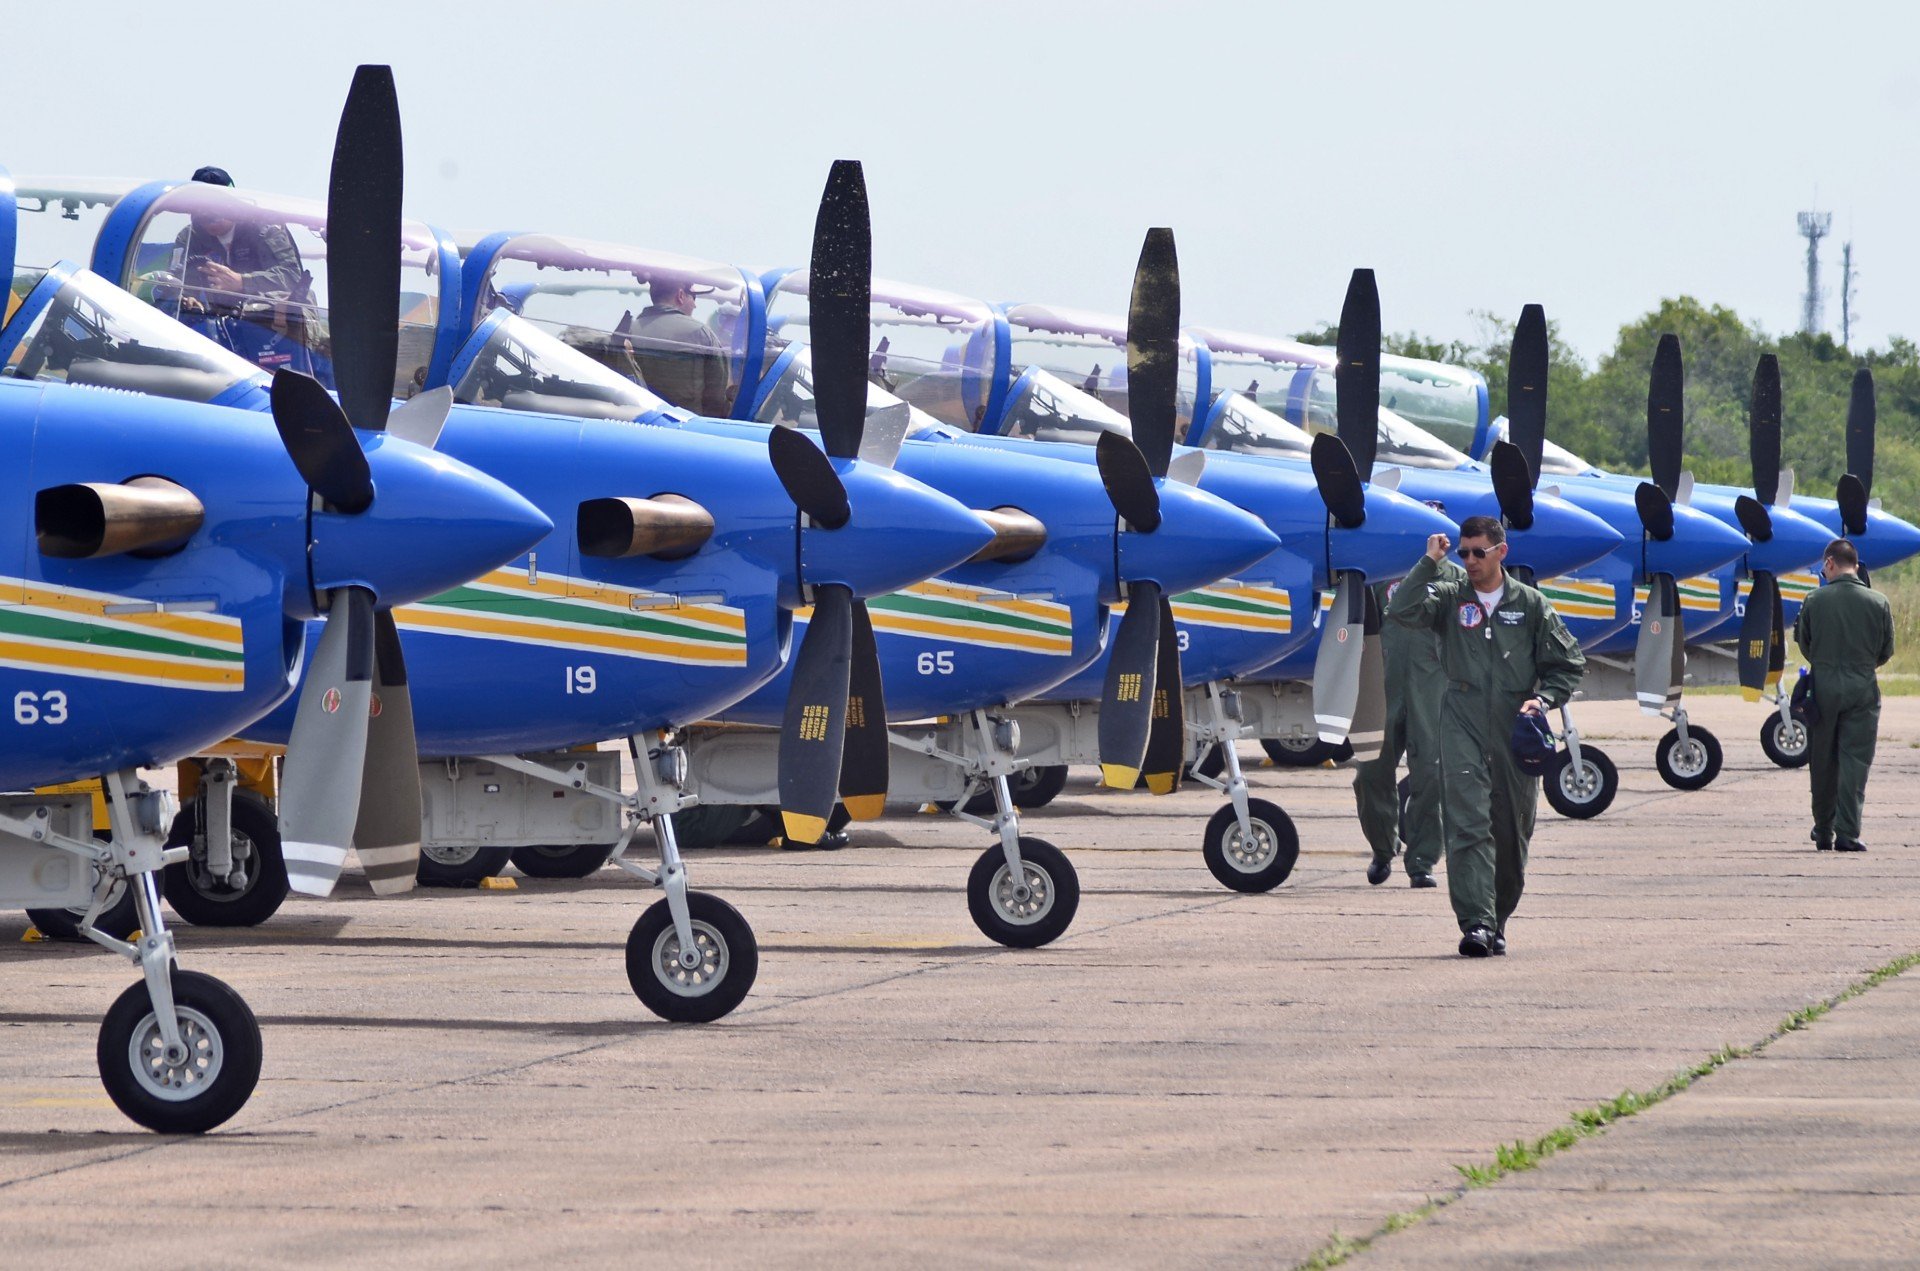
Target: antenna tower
1846 295
1813 228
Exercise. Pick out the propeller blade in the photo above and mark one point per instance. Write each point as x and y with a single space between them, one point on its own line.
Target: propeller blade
326 752
1665 393
1126 703
1337 664
1188 468
1339 481
1851 495
1755 521
839 301
1861 414
1656 510
1654 652
363 248
1763 429
1167 732
1356 376
886 428
1777 649
1129 482
814 734
1153 350
809 478
387 834
320 442
420 418
1527 364
1368 735
863 757
1761 639
1512 485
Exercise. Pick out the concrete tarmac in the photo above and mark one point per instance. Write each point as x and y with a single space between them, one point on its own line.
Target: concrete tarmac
1188 1077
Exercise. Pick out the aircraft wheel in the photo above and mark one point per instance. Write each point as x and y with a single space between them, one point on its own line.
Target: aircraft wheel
120 919
210 1083
1294 752
1584 792
1688 767
1024 918
1251 863
1037 787
459 864
729 958
205 901
1785 740
576 861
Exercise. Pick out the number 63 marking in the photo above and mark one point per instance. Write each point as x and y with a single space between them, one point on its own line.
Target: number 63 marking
40 708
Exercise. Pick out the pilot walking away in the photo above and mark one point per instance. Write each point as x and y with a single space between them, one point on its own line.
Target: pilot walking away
1845 631
1504 651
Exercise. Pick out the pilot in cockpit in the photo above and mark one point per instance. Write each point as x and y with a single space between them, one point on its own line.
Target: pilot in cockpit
679 357
224 264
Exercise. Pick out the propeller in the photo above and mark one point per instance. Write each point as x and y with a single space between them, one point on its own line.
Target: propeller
1659 654
1141 703
351 776
1337 663
1762 653
1512 485
1763 430
825 752
1527 363
1861 415
1665 420
1368 734
1356 376
1763 646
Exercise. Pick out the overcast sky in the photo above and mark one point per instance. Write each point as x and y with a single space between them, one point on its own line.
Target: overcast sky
1592 157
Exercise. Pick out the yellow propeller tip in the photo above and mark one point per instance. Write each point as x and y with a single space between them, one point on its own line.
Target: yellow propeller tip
1162 782
865 807
1119 776
802 828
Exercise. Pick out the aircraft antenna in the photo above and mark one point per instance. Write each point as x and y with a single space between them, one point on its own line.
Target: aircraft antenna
1813 228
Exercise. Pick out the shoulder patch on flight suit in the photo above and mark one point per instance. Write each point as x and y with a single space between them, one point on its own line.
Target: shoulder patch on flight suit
1565 639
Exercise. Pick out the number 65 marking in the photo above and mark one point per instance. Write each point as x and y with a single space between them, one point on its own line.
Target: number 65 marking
936 663
40 708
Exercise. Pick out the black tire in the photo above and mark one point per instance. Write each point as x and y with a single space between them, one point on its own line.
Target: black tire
205 901
581 860
1036 787
119 920
1042 918
1785 740
1343 753
464 865
710 824
1295 752
222 1069
1683 770
1584 794
1261 865
730 963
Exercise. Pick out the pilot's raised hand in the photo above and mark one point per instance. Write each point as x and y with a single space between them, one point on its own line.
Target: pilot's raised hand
1437 546
220 277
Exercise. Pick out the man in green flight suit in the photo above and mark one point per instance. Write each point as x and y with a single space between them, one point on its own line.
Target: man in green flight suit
1415 687
1504 651
1845 630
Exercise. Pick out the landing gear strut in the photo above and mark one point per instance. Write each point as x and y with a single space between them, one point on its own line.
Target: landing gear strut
1580 779
1251 844
1688 757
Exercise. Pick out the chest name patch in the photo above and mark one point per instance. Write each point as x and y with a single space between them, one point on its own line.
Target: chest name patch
1512 619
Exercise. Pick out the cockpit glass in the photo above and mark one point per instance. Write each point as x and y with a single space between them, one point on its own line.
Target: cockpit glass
1089 350
91 332
1444 400
1246 428
1045 408
249 271
671 323
789 403
1408 444
1561 462
932 349
521 367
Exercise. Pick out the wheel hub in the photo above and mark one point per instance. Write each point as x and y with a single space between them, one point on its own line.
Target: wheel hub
691 972
1689 758
176 1073
1251 853
1022 901
1580 782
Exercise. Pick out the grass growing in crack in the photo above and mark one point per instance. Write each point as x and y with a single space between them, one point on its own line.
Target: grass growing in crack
1520 1155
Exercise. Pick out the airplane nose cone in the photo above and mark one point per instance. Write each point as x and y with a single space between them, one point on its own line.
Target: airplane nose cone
1888 540
1201 539
1700 543
1562 538
901 532
1797 543
1392 538
434 523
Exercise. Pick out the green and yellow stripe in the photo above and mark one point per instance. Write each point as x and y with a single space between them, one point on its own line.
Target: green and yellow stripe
1236 608
939 610
1701 595
582 616
68 631
1580 598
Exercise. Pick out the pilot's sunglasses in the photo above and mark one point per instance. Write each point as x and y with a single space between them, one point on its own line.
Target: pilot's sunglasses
1477 553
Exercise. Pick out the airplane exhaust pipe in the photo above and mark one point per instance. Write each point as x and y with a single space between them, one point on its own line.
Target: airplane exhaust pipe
1016 536
666 527
147 516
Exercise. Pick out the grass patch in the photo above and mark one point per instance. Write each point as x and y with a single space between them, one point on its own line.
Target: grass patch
1521 1155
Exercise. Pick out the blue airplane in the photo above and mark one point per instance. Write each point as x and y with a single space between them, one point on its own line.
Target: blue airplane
665 591
164 559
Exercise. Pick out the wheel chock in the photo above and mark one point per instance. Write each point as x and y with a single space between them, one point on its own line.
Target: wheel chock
35 936
498 883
